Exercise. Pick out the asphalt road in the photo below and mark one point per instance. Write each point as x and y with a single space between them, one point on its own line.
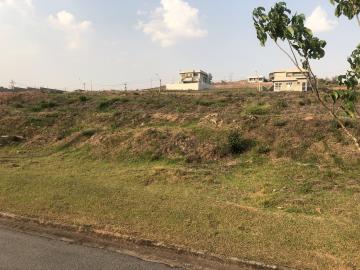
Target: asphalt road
28 252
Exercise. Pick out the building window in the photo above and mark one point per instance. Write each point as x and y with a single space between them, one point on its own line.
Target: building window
289 84
278 86
304 86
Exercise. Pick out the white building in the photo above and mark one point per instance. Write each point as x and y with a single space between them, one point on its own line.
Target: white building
192 80
290 80
256 79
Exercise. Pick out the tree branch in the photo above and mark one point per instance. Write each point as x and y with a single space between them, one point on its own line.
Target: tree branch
311 79
288 55
334 115
293 53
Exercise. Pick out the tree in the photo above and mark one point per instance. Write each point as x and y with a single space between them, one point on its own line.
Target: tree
289 30
348 8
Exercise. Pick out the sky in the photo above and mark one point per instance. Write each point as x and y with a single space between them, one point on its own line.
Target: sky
106 43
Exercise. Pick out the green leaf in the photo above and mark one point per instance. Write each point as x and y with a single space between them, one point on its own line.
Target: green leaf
291 30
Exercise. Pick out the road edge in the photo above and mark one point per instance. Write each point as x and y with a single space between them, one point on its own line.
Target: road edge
122 243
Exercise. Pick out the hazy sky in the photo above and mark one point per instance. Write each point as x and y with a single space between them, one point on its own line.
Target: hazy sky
63 43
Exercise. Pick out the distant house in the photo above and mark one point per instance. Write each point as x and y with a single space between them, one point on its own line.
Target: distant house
192 80
256 79
290 80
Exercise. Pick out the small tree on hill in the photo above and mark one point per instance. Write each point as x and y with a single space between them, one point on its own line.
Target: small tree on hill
289 30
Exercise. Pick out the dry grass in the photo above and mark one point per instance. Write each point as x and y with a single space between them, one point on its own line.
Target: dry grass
161 167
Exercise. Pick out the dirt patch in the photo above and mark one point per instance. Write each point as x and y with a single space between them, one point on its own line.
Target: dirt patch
212 119
166 117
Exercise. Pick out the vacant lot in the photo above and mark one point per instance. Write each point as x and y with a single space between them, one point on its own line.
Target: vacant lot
268 177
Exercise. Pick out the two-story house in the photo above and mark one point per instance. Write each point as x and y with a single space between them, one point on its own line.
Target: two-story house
192 80
290 80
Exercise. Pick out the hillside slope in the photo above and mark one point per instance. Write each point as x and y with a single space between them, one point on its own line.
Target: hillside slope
176 126
262 176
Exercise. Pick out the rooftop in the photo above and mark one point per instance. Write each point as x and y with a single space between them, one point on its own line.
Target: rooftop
291 70
193 71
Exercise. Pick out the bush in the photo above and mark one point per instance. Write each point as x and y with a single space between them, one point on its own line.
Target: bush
306 188
281 104
83 98
305 102
348 124
263 149
257 109
44 105
108 103
237 144
203 102
280 123
88 133
18 105
41 121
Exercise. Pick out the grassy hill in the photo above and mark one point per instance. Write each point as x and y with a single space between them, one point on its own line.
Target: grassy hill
263 176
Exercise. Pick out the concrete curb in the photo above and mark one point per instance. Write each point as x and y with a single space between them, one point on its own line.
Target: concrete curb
180 250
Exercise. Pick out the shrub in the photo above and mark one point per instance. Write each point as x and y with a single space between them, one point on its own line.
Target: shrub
44 105
280 123
18 105
257 109
108 103
237 144
203 102
83 98
36 109
263 149
63 134
306 188
281 104
41 121
89 132
305 102
348 124
193 158
47 104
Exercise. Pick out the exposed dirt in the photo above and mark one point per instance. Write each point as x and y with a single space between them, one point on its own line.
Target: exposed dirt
188 126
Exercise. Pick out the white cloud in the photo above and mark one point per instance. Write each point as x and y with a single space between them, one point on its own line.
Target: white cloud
142 12
172 21
75 30
318 21
21 6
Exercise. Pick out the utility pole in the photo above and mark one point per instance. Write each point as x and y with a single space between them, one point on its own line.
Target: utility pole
125 86
258 78
159 81
91 85
12 85
84 84
231 75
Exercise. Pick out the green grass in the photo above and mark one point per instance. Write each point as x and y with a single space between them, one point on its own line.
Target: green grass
257 109
278 212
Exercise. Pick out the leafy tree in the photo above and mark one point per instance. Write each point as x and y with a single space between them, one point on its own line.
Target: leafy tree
289 30
348 8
